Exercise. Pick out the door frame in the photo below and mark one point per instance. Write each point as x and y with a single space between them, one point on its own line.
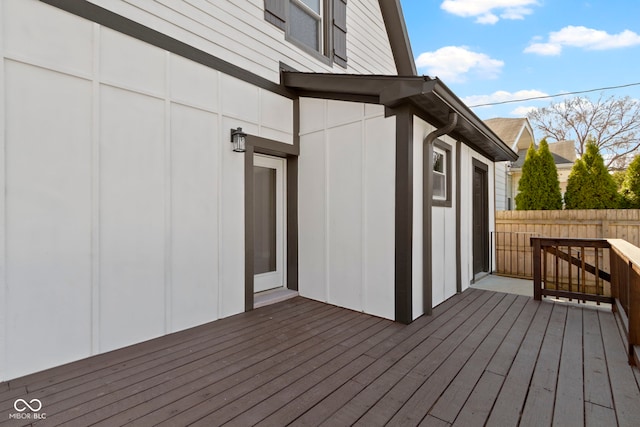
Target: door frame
280 166
484 170
259 145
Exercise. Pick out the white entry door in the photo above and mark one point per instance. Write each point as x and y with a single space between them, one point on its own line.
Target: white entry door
268 222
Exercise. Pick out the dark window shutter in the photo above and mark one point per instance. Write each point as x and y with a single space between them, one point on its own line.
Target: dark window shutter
274 12
340 32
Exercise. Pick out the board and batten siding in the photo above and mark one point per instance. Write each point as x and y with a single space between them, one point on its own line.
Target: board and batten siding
443 222
443 229
237 32
346 205
115 159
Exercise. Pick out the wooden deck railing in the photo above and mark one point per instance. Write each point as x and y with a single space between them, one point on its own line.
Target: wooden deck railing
601 270
625 286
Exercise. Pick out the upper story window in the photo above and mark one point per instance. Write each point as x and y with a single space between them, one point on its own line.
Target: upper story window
317 26
305 22
441 174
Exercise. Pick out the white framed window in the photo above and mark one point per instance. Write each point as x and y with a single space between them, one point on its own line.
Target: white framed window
441 174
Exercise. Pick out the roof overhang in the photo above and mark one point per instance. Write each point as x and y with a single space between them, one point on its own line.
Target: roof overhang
431 100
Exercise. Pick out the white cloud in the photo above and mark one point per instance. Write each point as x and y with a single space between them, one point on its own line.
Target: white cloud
585 38
502 96
487 11
487 18
454 63
522 111
516 13
547 49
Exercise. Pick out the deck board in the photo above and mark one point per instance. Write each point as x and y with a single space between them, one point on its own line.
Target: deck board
401 379
569 402
513 394
478 406
598 416
101 365
149 383
538 410
401 356
597 388
234 364
624 387
482 358
294 362
458 391
439 380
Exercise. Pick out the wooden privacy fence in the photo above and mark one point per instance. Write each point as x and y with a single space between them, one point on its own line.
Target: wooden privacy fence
513 253
515 228
616 281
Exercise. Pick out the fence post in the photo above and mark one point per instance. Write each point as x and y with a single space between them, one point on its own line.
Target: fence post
537 269
491 251
633 315
615 272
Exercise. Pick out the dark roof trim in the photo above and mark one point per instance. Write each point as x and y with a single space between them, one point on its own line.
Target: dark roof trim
431 100
398 37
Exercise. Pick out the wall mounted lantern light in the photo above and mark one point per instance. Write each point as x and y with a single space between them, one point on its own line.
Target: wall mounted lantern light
239 140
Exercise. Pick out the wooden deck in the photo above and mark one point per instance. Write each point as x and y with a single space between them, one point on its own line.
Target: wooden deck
483 358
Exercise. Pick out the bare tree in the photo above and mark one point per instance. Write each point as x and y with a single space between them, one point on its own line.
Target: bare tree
613 124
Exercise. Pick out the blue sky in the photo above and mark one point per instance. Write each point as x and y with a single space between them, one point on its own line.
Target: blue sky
497 50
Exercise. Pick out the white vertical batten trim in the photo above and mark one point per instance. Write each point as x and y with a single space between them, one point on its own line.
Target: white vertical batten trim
95 194
285 189
220 144
3 216
363 210
326 195
168 271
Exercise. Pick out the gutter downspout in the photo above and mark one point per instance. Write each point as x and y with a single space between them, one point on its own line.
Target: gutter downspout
427 206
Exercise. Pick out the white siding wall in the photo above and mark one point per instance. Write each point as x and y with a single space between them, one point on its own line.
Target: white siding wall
237 32
443 224
346 205
501 186
114 163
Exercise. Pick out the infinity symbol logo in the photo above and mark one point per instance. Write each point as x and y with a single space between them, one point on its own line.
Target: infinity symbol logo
21 405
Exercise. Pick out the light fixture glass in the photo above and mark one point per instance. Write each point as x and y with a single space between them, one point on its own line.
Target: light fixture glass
239 140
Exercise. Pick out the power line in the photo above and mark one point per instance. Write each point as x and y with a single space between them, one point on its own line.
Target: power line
554 96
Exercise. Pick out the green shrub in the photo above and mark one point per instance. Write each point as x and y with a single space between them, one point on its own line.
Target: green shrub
590 186
539 188
630 188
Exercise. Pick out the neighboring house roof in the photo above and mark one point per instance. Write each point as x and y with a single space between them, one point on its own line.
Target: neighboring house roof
431 99
565 149
517 133
557 159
